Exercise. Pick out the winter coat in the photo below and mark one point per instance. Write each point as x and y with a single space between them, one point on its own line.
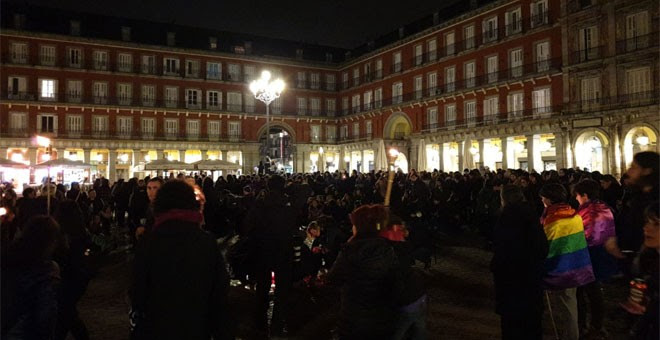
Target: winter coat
568 264
180 285
519 252
630 222
412 287
366 270
598 224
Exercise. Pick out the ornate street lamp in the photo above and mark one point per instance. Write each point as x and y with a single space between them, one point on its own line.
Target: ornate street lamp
392 155
266 91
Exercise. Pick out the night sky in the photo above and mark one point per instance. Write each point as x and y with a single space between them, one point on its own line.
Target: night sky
345 24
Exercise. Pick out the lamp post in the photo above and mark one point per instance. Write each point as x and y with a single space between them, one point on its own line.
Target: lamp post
321 160
392 155
46 143
266 91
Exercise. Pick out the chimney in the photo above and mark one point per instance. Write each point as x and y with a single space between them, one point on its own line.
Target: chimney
402 31
125 33
74 26
213 43
436 18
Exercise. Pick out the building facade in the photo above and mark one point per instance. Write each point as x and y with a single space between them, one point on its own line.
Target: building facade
533 84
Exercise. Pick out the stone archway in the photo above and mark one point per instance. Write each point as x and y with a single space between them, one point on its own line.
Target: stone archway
397 126
279 153
641 137
277 125
591 149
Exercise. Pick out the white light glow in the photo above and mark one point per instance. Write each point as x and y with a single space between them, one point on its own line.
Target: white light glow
147 158
73 157
321 150
474 150
17 157
347 158
594 143
545 146
394 153
99 157
45 157
123 158
642 140
212 157
42 141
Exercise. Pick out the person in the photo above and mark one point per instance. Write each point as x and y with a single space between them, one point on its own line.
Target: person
146 223
75 270
180 284
272 245
568 265
367 272
311 253
30 281
519 251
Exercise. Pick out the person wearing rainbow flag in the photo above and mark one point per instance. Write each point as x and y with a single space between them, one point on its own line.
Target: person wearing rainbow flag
568 264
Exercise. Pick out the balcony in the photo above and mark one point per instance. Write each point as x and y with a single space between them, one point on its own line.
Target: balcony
514 27
396 68
637 43
587 54
18 132
233 77
491 119
624 101
301 84
539 19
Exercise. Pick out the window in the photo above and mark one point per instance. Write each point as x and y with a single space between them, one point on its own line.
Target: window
171 96
234 101
491 109
541 101
344 105
47 55
367 100
513 21
367 128
315 106
193 99
396 62
356 103
378 98
468 36
213 128
301 82
234 130
431 50
588 44
432 117
316 81
470 70
249 102
17 123
450 114
301 105
148 95
171 128
192 128
74 91
148 64
124 94
148 127
75 57
192 68
491 68
234 72
397 93
450 79
315 133
356 130
637 29
330 82
471 112
214 100
432 83
276 106
450 40
379 69
543 56
74 124
213 43
47 123
331 106
344 79
419 49
539 12
343 132
638 83
418 87
515 103
249 71
19 53
171 66
367 72
125 62
331 133
99 126
516 62
100 60
124 126
100 92
17 87
490 29
213 71
356 76
47 89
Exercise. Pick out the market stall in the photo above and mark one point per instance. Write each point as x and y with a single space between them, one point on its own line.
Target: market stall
224 167
162 166
64 170
16 173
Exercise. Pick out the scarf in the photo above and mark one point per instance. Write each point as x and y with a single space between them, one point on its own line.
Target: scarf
395 234
192 216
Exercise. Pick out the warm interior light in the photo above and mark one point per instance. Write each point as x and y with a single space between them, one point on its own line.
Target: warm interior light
314 157
43 141
73 156
170 158
545 146
45 157
394 153
123 157
99 157
329 159
17 157
212 157
642 140
594 143
518 147
453 152
347 158
321 150
474 150
147 158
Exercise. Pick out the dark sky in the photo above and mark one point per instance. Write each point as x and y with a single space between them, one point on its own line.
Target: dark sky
345 24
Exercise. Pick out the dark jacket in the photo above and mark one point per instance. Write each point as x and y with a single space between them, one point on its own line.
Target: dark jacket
366 271
180 285
412 283
520 248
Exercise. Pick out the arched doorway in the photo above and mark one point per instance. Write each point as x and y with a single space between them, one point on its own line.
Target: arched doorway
638 139
591 151
398 126
278 154
401 163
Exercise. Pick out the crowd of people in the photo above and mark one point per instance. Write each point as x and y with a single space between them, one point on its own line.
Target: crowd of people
556 237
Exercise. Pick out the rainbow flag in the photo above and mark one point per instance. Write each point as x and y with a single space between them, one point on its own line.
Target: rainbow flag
568 264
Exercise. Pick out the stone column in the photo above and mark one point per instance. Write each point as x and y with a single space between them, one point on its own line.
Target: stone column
87 155
505 152
531 157
3 152
441 157
182 155
205 155
461 164
112 166
223 155
560 150
160 154
32 156
135 160
482 156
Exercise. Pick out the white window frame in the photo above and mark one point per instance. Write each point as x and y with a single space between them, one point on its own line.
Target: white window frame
192 68
213 129
468 36
100 125
397 93
125 62
432 83
148 95
542 56
492 71
450 79
516 62
100 60
470 112
301 106
214 100
234 101
18 90
331 106
124 126
491 109
74 124
171 66
450 43
171 128
53 129
74 91
19 53
193 98
148 127
18 123
171 94
470 73
513 21
148 64
193 128
397 62
47 89
100 92
450 115
541 101
47 55
74 57
489 29
214 70
124 93
234 130
515 105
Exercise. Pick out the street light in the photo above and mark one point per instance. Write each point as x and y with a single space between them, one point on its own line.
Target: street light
46 143
266 91
392 155
321 160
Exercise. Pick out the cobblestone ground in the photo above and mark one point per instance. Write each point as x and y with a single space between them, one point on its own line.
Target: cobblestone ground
460 291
